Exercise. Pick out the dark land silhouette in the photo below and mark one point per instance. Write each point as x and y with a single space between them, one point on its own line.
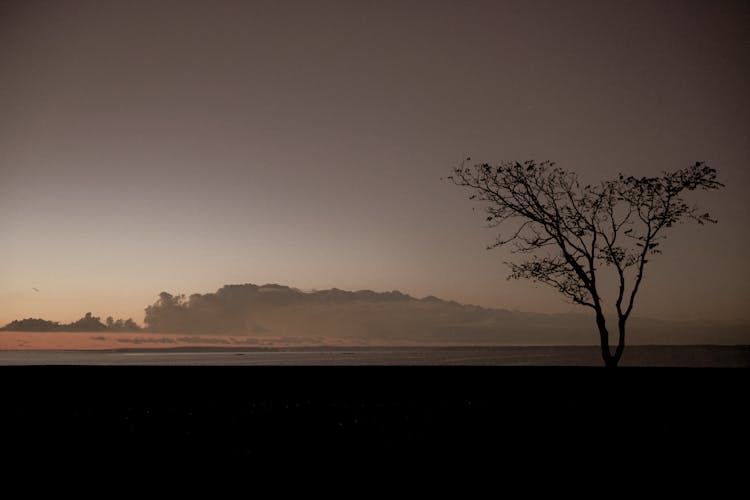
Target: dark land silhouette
512 419
88 323
279 311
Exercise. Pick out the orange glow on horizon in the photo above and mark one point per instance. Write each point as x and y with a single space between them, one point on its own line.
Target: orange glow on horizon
105 341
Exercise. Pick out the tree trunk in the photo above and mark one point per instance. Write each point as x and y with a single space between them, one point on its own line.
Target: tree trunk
609 360
620 339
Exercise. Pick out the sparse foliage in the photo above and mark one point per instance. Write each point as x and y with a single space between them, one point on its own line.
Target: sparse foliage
568 231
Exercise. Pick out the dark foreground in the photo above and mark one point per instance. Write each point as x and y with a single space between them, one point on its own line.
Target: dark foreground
498 417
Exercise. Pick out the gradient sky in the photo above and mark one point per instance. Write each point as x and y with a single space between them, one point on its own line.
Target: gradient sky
182 145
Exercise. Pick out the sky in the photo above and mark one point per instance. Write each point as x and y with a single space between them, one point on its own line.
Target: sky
179 146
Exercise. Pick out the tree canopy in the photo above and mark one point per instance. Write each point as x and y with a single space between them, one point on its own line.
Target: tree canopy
568 231
88 323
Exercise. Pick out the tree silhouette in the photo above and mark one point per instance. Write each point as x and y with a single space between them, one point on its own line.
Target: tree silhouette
88 323
570 232
32 325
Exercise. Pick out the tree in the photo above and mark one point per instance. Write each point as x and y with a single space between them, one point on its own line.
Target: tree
131 325
570 232
88 323
32 325
166 313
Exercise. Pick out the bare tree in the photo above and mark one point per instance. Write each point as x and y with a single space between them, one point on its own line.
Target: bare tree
570 232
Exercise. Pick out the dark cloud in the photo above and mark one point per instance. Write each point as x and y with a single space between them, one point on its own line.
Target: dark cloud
275 310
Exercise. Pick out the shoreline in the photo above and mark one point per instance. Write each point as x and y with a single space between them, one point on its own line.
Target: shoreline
666 356
363 347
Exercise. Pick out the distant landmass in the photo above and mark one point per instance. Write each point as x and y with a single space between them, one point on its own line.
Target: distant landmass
88 323
282 311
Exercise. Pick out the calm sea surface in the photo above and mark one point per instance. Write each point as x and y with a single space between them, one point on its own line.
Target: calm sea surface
668 356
